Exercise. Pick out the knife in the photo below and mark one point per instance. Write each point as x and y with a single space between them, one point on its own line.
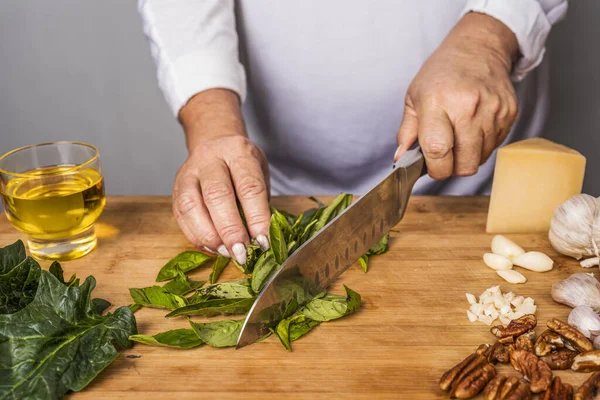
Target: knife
323 258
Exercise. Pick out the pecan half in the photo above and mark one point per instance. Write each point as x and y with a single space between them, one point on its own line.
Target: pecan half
503 388
536 371
516 327
547 342
495 353
559 359
557 391
526 341
507 340
590 388
577 339
587 361
468 378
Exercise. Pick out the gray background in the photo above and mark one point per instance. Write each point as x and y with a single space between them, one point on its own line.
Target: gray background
81 70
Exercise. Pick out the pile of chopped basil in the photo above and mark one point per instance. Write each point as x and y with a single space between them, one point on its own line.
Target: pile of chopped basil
53 336
185 297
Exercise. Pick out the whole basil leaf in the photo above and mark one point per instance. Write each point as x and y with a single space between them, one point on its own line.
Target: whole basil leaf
263 269
218 267
58 342
181 285
11 256
100 305
19 285
278 243
156 297
380 247
331 306
177 338
212 308
219 333
184 262
238 289
364 262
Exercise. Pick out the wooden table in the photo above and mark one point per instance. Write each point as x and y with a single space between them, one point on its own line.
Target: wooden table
412 325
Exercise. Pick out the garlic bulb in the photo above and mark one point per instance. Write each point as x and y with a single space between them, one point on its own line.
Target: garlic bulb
578 290
575 227
585 319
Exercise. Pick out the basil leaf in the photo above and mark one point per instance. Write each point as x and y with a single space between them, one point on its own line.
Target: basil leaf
293 328
11 256
263 269
332 210
218 267
380 247
100 305
301 327
238 289
19 285
212 308
278 244
184 262
181 285
364 262
253 251
319 202
177 338
331 306
134 307
156 297
219 333
58 343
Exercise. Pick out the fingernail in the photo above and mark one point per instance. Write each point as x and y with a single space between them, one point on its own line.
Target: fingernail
263 242
397 153
222 250
239 252
209 250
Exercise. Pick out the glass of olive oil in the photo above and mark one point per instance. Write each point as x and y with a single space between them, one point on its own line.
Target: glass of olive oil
54 192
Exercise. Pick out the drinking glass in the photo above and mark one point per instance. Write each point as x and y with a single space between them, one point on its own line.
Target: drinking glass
54 192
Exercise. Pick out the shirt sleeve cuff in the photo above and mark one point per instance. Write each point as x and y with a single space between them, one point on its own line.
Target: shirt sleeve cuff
198 71
529 23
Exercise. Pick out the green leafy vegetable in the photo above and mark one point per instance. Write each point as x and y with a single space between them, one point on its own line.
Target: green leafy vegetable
253 251
293 328
181 285
11 256
184 262
278 243
58 342
156 297
238 289
218 267
219 333
100 305
19 284
263 269
134 307
380 247
364 262
177 338
212 308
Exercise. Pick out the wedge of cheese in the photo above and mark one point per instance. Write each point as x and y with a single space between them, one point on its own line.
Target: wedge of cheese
532 177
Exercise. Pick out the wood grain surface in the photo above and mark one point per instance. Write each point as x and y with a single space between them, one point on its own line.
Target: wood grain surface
412 325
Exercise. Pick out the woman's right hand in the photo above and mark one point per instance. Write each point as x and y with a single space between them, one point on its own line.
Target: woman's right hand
222 165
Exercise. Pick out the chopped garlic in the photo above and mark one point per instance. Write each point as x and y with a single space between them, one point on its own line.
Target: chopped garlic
493 304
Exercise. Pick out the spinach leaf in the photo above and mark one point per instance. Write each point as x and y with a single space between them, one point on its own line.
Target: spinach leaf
380 247
278 243
58 342
11 256
56 270
181 285
212 308
238 289
263 269
219 333
184 262
364 262
218 267
100 305
156 297
293 328
19 285
177 338
331 306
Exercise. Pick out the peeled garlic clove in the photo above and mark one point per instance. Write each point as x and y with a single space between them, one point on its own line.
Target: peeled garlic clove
578 290
512 276
590 262
534 261
496 262
585 319
503 246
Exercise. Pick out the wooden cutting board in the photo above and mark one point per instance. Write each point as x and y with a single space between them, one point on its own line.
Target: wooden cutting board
412 325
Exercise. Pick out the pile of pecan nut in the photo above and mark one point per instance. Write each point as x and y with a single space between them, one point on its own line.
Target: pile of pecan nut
559 347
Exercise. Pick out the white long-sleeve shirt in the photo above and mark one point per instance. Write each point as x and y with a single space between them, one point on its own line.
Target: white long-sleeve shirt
323 82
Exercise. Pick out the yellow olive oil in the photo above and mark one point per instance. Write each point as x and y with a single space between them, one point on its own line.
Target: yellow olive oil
54 203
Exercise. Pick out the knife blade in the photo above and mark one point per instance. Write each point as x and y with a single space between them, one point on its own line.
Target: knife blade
323 258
